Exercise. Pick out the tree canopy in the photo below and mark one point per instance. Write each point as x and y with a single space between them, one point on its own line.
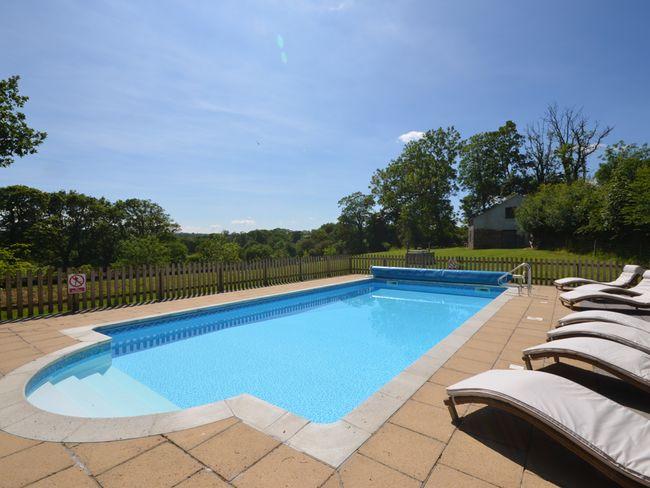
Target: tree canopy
415 189
17 139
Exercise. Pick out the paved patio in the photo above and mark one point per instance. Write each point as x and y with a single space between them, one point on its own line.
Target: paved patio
418 446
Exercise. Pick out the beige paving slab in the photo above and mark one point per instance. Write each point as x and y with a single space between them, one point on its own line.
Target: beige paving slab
447 377
234 450
362 472
190 438
164 465
425 419
445 477
73 477
102 456
287 468
32 464
467 365
480 355
11 443
488 461
203 479
431 393
404 450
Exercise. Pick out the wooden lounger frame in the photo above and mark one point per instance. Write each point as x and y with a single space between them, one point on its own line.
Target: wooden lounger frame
617 476
642 385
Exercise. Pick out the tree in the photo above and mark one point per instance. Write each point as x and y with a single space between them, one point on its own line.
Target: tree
623 176
144 218
356 214
142 251
21 207
415 189
17 139
539 164
574 138
562 215
488 167
216 248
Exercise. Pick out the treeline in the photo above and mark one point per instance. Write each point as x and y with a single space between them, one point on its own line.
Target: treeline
609 213
68 229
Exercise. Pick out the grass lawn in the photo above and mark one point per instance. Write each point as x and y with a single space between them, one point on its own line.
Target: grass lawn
520 254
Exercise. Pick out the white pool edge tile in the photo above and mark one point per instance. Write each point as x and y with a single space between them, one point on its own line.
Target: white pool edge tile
331 443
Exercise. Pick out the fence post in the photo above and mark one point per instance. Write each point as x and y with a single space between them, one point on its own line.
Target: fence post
159 292
220 279
8 297
266 273
300 268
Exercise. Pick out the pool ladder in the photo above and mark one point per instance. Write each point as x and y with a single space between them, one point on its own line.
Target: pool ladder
522 277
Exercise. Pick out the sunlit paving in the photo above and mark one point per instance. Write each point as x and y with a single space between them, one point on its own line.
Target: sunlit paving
324 244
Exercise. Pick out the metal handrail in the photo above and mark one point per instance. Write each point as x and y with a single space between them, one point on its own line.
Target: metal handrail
526 276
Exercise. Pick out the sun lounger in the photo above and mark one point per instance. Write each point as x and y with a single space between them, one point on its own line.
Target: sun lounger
629 336
572 298
604 316
612 438
641 288
630 365
626 278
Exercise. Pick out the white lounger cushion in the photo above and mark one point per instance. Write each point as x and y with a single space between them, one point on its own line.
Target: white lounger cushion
629 273
604 316
623 334
600 296
628 361
615 434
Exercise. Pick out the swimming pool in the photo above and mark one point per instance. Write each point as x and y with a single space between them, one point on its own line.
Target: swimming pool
317 353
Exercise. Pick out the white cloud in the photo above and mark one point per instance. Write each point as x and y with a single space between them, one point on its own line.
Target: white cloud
246 221
412 135
202 229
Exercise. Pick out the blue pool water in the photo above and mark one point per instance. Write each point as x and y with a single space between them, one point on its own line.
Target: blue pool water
318 354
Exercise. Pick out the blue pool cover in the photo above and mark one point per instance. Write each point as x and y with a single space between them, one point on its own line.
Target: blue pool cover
441 275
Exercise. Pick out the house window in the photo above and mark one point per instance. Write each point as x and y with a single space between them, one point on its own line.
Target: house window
510 212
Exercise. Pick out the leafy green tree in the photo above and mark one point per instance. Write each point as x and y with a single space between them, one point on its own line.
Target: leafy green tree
11 261
257 251
622 159
177 250
141 251
143 218
488 167
21 207
623 177
17 139
562 215
353 223
217 248
415 189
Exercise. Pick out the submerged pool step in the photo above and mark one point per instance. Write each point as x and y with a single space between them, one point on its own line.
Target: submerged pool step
108 394
140 398
50 398
94 403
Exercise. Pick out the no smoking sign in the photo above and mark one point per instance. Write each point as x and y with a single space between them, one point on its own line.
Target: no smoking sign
77 283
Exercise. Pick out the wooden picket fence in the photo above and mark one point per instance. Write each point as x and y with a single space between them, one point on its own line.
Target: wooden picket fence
45 293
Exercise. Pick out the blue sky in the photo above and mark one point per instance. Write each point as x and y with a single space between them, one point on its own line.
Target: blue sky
203 108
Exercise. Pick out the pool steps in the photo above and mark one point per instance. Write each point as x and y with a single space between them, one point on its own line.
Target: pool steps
108 394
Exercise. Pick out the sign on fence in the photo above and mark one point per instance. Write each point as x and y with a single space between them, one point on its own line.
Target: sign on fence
76 283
